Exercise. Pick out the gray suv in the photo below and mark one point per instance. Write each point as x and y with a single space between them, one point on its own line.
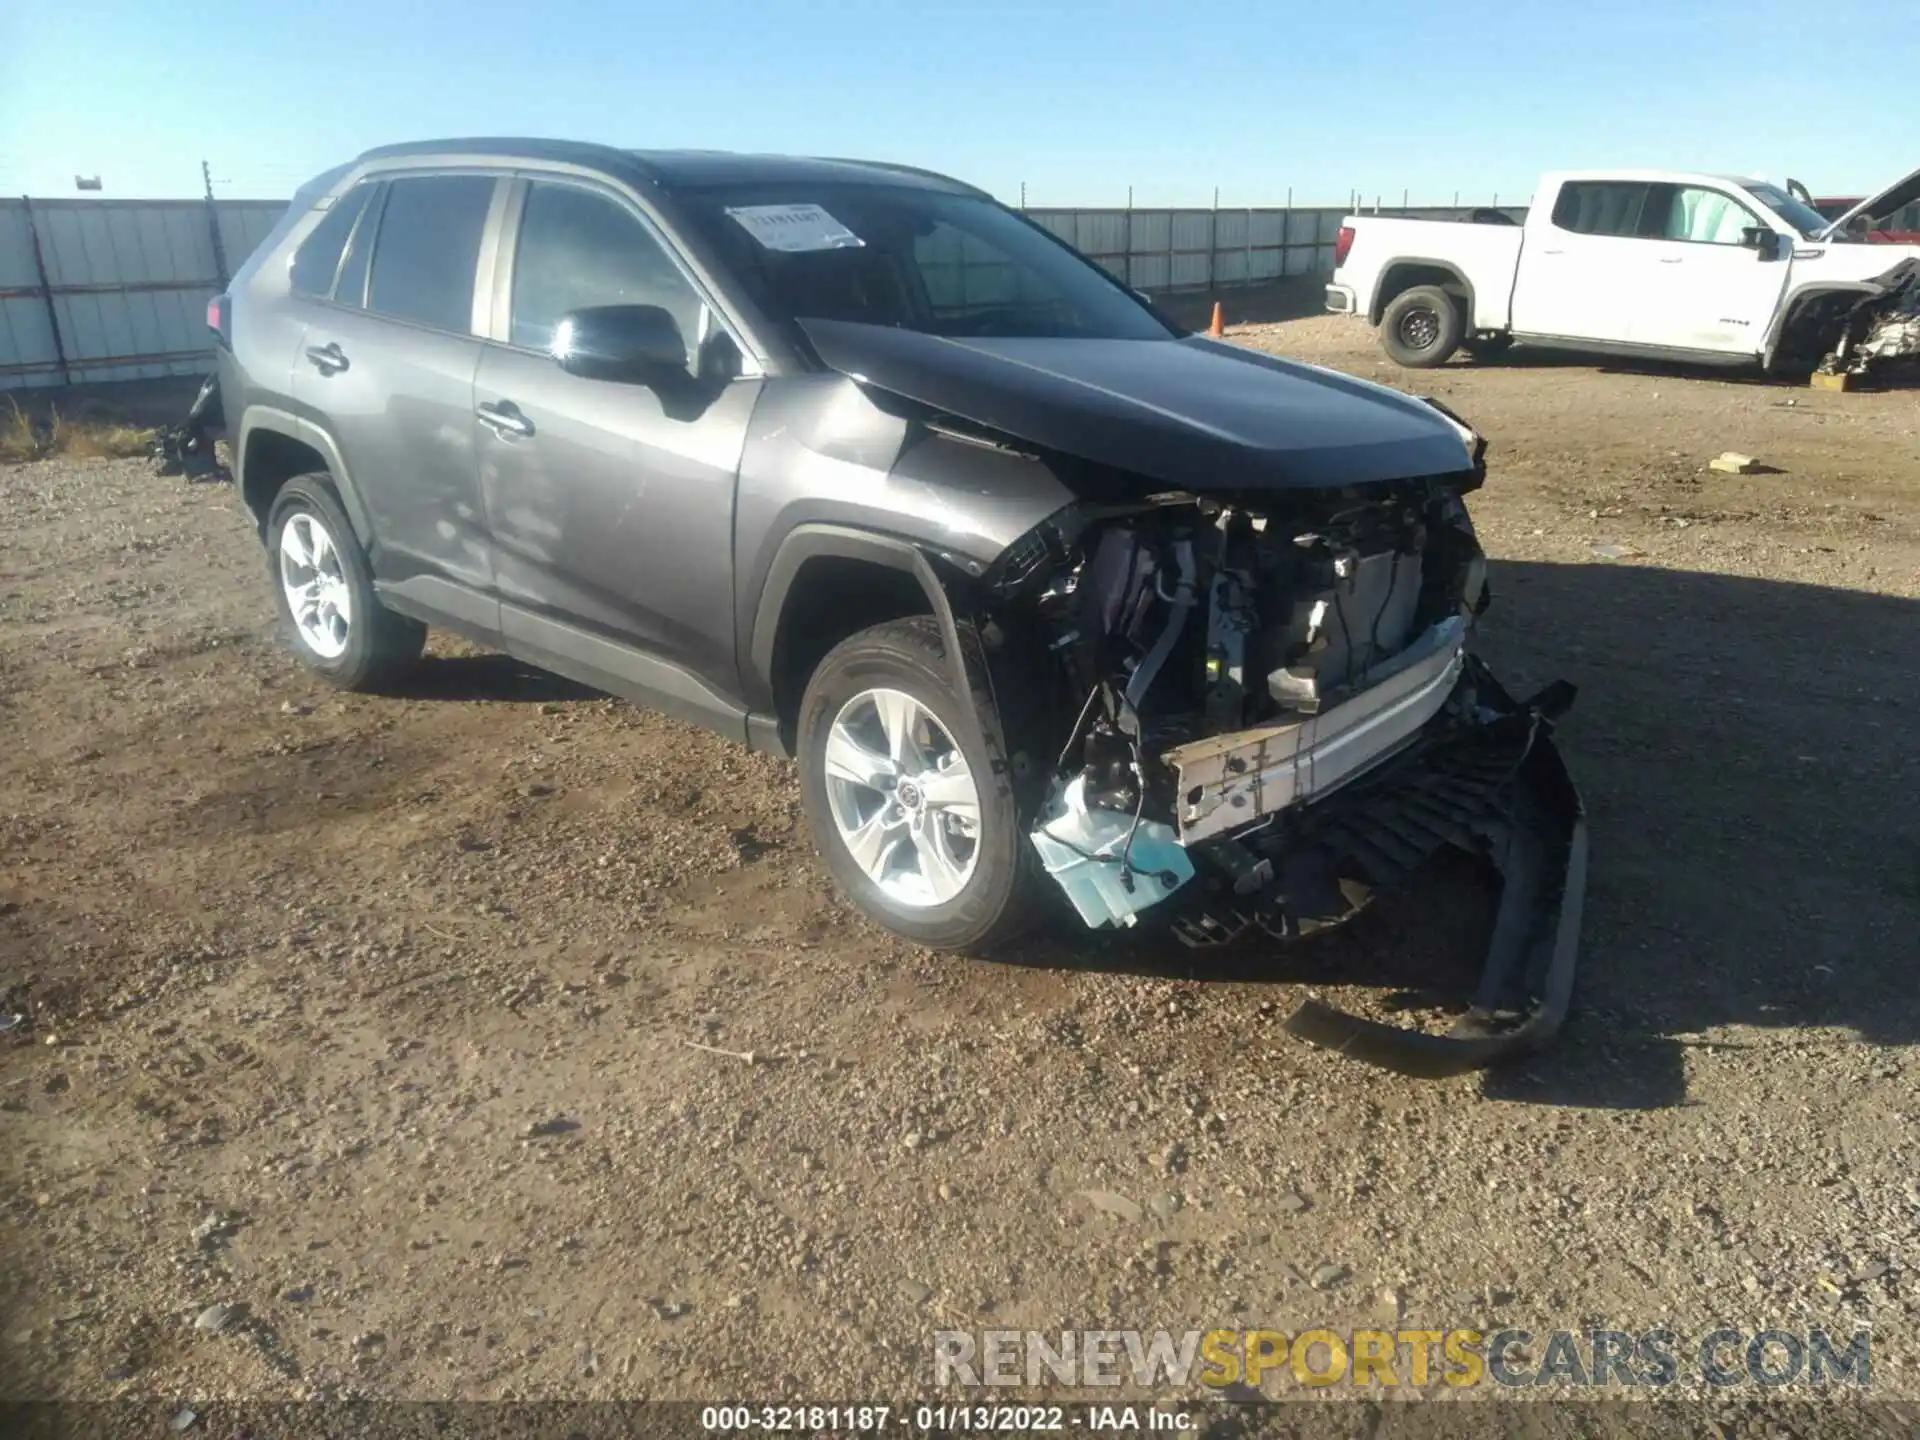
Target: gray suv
1051 600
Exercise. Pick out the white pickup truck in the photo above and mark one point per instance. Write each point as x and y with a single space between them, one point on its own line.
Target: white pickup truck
1655 263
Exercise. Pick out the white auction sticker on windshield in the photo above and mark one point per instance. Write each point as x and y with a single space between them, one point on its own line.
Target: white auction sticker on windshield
794 228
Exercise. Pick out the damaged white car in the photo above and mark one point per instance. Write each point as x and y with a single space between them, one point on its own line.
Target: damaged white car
1669 265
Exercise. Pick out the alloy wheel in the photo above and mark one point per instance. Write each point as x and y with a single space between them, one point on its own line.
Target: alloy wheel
314 579
903 798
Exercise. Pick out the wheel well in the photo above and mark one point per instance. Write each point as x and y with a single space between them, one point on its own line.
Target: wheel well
832 597
1402 276
270 461
1813 325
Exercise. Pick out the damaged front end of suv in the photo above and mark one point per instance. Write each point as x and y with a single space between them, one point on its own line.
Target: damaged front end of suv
1263 706
1278 716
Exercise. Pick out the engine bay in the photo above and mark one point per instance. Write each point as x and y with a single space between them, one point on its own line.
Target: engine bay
1183 624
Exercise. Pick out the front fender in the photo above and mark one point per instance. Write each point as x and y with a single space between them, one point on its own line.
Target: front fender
827 471
811 542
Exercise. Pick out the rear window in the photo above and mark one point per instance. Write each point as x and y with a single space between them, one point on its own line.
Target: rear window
423 262
1601 207
318 257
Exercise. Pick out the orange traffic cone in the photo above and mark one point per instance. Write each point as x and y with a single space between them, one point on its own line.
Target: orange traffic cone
1218 328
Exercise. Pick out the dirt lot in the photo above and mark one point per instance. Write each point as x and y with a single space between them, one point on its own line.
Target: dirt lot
378 1019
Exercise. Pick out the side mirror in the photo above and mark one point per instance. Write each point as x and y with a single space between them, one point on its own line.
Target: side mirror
1763 240
637 344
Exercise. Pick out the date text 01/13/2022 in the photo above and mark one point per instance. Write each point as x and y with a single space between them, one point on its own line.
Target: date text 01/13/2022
991 1419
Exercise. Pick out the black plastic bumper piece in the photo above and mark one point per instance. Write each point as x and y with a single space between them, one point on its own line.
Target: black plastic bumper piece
1526 985
187 448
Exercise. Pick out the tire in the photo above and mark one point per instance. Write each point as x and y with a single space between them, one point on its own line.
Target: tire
894 879
348 637
1487 347
1422 327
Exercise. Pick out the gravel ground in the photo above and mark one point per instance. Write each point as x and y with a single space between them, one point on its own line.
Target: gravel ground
416 1030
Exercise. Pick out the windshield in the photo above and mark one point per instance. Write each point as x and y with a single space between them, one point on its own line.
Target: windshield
1803 217
925 260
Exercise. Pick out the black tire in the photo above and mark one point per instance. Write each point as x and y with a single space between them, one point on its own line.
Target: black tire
1000 897
1422 327
1487 347
380 646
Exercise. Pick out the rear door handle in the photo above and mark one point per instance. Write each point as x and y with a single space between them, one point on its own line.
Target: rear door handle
328 359
504 419
1673 259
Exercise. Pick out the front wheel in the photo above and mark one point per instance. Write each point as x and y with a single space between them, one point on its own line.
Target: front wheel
913 808
1422 327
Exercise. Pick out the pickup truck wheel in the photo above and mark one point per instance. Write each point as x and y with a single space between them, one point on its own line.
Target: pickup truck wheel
1422 327
323 588
915 816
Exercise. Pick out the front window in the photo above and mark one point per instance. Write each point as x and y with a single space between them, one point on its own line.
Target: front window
1704 217
925 260
579 248
1801 216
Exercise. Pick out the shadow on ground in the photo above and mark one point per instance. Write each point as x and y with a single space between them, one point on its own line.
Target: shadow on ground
1746 752
498 678
1528 357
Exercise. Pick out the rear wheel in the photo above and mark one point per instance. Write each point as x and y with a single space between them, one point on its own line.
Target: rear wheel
323 588
1422 327
912 809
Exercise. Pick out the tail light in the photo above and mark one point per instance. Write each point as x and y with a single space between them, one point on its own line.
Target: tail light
220 317
1342 245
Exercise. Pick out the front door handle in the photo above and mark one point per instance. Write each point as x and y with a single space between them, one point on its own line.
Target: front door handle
328 359
1673 259
504 419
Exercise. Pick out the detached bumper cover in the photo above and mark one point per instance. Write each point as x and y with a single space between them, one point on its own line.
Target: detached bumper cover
1526 984
187 448
1494 786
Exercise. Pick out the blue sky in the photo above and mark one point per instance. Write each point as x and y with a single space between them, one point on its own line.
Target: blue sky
1078 100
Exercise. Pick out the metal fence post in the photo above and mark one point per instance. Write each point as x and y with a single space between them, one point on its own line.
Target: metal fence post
1127 262
1213 243
213 228
46 292
1247 278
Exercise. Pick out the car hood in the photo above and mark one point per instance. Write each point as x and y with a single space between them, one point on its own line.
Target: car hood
1188 413
1903 191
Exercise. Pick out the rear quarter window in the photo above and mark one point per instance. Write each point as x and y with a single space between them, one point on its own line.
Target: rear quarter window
318 257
